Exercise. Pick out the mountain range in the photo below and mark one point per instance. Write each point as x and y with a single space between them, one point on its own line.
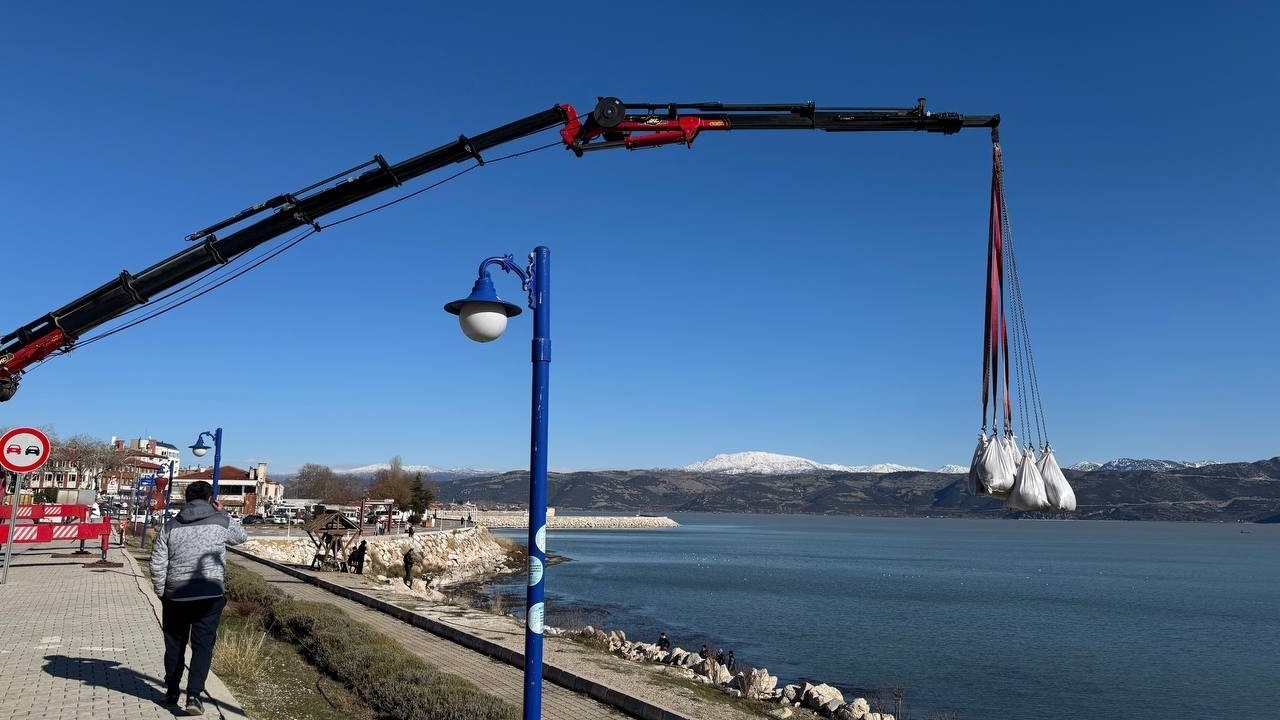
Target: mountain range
756 462
1246 492
1129 464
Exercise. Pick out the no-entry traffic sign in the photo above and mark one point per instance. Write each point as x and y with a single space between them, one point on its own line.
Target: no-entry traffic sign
23 450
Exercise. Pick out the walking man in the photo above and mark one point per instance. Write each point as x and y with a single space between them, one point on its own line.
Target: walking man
188 564
357 557
409 558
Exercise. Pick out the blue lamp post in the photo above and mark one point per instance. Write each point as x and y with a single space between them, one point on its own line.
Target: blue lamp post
199 449
483 317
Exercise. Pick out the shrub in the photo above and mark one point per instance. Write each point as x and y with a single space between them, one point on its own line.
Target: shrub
249 594
395 682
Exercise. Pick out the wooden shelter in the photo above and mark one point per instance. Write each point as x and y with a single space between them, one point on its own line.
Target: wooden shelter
332 533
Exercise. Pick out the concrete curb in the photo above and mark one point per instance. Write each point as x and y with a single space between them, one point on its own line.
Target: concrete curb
633 706
230 707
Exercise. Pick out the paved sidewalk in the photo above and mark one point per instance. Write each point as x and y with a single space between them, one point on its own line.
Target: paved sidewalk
84 644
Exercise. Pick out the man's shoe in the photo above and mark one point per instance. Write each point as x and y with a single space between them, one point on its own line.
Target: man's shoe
171 698
195 707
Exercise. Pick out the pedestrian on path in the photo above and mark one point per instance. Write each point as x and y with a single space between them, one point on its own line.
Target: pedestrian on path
411 531
188 564
357 557
730 664
409 558
664 643
704 653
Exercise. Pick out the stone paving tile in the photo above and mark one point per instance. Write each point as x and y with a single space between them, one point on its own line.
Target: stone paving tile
78 643
494 677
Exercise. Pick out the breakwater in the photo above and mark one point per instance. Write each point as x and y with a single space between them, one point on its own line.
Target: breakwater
444 558
520 519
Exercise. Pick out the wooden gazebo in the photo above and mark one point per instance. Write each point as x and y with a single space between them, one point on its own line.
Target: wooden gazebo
331 532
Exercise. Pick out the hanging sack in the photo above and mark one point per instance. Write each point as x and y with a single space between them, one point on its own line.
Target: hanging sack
995 472
1056 487
975 465
1028 488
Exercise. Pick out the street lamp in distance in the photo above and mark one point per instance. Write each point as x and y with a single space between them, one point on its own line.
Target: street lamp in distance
199 449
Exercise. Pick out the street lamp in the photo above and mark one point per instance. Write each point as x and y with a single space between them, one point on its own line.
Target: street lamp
483 317
199 449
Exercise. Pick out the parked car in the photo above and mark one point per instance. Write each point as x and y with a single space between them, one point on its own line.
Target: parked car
252 519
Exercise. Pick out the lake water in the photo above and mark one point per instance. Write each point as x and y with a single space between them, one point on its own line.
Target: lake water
990 619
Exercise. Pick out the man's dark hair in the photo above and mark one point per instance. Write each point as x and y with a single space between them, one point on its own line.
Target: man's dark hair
199 490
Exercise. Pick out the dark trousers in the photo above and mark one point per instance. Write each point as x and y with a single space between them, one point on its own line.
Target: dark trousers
195 621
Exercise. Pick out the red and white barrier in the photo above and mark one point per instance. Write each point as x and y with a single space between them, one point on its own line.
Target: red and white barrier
48 533
38 512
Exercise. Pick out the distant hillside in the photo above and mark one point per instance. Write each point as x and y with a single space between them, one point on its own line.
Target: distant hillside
1228 492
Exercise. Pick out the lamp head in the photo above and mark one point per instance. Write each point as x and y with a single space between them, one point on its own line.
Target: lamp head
482 314
199 449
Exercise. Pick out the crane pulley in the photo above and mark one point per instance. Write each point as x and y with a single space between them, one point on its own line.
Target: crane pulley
611 124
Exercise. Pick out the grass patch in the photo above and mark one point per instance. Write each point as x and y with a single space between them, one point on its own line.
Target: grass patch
237 655
287 686
390 680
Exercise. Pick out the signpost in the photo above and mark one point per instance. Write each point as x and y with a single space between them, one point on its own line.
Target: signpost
145 486
22 450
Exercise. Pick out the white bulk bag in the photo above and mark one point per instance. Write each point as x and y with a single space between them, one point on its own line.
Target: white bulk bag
975 465
1028 487
1056 487
995 471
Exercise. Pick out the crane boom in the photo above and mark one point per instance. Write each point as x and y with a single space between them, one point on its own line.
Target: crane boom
612 124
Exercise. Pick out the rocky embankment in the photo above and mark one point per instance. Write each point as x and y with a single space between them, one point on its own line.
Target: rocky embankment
575 522
446 557
753 683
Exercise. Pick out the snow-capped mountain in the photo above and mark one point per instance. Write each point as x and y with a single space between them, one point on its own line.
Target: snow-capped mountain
1132 464
437 473
952 469
766 463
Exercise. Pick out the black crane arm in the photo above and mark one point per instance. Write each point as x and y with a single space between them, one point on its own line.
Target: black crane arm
612 124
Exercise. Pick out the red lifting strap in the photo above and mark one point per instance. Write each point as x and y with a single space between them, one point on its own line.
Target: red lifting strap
996 341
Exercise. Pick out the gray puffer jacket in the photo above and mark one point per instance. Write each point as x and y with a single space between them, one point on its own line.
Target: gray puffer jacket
189 557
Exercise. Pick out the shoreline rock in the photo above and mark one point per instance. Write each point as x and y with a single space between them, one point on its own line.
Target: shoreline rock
752 683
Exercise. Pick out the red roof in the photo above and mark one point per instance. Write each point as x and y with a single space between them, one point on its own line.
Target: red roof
226 472
147 465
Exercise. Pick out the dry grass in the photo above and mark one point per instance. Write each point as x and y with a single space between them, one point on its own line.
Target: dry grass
517 554
238 655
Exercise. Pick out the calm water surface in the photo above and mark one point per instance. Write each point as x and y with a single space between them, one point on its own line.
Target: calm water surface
987 618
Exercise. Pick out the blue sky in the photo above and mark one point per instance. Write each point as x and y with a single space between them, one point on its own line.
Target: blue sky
805 293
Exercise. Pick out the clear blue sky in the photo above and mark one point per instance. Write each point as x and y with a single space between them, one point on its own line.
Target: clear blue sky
805 293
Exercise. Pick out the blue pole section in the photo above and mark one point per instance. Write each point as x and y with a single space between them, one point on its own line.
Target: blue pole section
540 300
168 492
217 459
146 519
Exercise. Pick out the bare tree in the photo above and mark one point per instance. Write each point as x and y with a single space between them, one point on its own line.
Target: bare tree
393 482
320 482
90 457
